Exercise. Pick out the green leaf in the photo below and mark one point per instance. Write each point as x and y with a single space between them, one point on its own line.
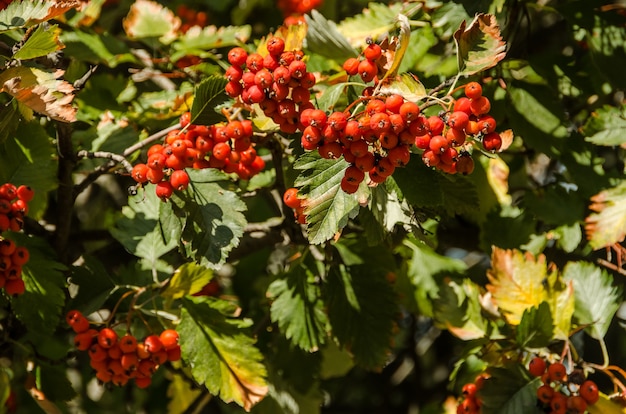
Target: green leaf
507 391
607 224
182 394
9 121
326 206
331 95
28 158
100 48
25 13
375 21
55 383
188 279
568 237
221 352
39 308
139 229
150 20
94 285
323 38
607 126
198 40
479 45
214 218
536 327
406 85
362 304
298 309
208 95
457 309
596 298
44 40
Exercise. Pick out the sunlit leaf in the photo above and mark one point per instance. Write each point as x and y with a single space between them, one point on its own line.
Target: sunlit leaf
199 39
479 44
207 96
457 309
606 406
41 91
596 298
607 126
376 20
293 35
181 394
324 38
24 13
326 206
519 281
406 85
44 40
148 19
607 224
188 279
221 352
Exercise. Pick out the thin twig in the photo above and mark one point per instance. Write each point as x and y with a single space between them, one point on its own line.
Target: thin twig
107 155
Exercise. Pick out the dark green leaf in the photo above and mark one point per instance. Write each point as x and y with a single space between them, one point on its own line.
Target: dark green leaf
94 285
55 383
9 120
298 308
39 308
596 298
221 352
208 95
507 391
326 205
101 48
536 327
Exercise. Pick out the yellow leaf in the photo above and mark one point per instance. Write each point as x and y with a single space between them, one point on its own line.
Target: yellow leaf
41 91
605 406
498 177
182 394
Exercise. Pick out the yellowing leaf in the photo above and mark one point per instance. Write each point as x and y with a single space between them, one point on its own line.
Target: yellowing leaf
41 91
148 19
498 177
406 85
479 45
181 394
43 40
605 406
27 13
607 224
293 35
188 279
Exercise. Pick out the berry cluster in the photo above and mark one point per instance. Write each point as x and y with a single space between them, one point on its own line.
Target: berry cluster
561 393
118 359
191 17
14 206
12 258
470 403
365 65
278 82
297 7
291 200
227 147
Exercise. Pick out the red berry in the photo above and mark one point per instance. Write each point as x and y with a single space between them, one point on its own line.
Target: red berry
480 105
589 391
275 46
557 372
367 70
153 344
179 180
351 66
537 366
492 142
20 256
291 198
473 90
14 287
545 393
372 52
139 173
164 190
25 193
169 339
107 338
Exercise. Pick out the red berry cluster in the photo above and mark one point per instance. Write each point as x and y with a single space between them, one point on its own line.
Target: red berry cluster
118 359
291 200
12 258
278 82
191 17
297 7
227 147
561 393
365 65
14 206
470 403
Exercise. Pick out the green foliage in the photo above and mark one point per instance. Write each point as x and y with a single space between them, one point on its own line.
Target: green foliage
208 95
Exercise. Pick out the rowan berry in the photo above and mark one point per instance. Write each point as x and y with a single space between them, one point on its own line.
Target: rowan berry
164 190
367 70
14 287
25 193
275 46
373 51
537 366
153 344
480 105
169 339
351 66
589 391
473 90
557 372
179 180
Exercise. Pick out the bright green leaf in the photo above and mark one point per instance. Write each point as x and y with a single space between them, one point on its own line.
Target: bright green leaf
596 298
148 19
221 352
208 95
377 20
44 40
326 206
188 279
210 37
457 309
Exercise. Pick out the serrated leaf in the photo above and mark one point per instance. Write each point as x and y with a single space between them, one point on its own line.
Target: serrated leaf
519 281
24 13
148 19
479 44
596 298
45 286
44 40
200 39
298 309
214 218
326 206
362 304
208 95
324 39
139 229
536 327
607 224
29 159
458 310
406 85
607 126
41 91
221 352
376 20
507 391
188 279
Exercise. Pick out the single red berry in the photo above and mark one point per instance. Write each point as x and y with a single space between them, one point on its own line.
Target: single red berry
275 46
185 119
367 70
576 404
7 247
557 372
179 180
537 366
77 321
129 362
169 339
84 340
492 142
20 256
128 343
351 66
480 105
558 403
14 287
473 90
139 173
373 51
107 337
545 393
153 344
589 391
25 193
164 190
291 198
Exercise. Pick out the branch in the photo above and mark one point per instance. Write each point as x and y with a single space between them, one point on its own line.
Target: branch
107 155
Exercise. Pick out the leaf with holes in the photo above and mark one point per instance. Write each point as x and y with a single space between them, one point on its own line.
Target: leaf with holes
479 44
220 351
